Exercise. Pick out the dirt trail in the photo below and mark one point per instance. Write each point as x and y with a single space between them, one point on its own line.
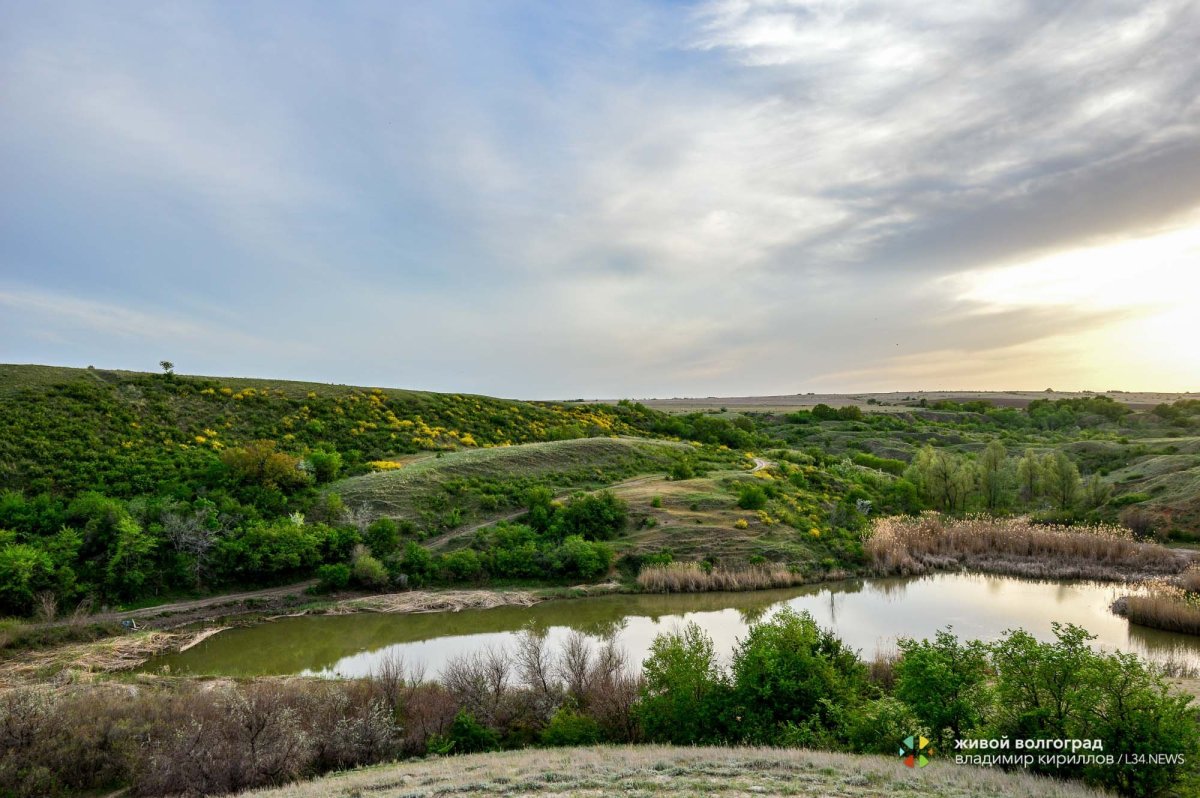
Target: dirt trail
266 595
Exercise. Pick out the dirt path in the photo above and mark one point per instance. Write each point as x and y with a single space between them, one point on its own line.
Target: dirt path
265 596
760 464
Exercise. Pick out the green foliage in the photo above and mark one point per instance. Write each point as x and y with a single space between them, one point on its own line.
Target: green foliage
469 736
751 497
259 464
271 550
417 562
945 682
569 727
383 537
592 516
684 694
460 566
890 465
585 559
368 572
1065 690
333 576
325 465
789 671
25 571
876 726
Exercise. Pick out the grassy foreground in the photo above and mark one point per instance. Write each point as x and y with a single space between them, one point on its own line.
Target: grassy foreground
665 770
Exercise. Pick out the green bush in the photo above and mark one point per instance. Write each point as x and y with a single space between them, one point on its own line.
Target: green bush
684 694
1065 690
945 682
383 537
877 726
751 497
469 736
592 516
333 576
369 572
790 671
568 727
585 559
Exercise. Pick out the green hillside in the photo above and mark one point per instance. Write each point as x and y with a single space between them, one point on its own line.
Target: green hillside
124 486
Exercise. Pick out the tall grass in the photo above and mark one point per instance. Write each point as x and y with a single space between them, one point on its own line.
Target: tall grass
1163 611
1016 546
689 577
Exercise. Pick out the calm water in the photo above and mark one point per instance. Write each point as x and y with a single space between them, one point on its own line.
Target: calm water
868 614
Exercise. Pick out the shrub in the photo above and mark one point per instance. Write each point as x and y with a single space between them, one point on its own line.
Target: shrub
24 571
592 516
578 557
333 576
460 566
259 464
325 465
751 497
876 726
568 727
945 682
1065 690
383 537
369 572
685 692
790 671
468 736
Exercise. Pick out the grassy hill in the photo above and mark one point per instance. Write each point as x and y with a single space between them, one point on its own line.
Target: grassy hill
128 433
662 770
444 491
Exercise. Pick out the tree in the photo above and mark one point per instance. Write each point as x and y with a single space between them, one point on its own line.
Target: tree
684 690
24 572
995 478
259 464
168 368
945 683
592 516
945 479
132 561
789 673
383 537
1065 690
325 465
1029 477
1062 480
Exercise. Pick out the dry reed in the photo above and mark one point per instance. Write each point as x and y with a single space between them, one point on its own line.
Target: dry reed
1162 605
689 577
1015 546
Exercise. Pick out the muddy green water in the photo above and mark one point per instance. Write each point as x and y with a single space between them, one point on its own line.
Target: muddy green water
868 614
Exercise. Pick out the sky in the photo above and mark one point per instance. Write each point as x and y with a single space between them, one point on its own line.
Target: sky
627 198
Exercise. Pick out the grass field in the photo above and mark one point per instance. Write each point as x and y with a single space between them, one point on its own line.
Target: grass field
662 770
456 488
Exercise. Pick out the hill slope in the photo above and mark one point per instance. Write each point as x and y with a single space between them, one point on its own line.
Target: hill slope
663 770
127 433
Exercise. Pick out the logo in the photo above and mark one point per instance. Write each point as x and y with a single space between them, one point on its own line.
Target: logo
915 751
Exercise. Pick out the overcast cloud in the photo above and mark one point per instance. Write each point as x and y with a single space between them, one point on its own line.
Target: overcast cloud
542 199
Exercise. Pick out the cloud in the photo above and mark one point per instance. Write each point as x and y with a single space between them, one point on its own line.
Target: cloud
636 199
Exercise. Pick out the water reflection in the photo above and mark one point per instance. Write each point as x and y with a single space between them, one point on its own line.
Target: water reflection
869 615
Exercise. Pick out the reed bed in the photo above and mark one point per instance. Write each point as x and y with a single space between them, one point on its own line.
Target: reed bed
1164 612
1162 604
906 546
690 577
